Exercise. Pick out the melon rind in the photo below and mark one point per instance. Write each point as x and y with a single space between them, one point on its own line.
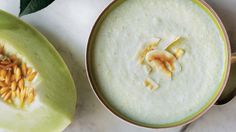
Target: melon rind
56 92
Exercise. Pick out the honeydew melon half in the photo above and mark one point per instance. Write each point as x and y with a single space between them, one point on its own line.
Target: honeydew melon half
55 100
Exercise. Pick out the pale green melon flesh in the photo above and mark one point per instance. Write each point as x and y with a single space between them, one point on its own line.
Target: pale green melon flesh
55 90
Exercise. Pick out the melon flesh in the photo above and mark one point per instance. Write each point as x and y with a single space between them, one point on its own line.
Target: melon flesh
55 101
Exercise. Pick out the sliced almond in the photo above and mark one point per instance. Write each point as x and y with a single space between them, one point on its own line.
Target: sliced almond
172 43
153 43
179 53
170 67
158 59
148 47
149 83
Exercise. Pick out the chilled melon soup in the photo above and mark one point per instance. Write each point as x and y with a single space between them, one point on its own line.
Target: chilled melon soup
120 77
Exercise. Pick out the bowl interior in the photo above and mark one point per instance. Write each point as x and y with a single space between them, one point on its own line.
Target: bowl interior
89 62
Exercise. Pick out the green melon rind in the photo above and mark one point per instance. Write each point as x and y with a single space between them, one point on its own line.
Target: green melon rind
56 89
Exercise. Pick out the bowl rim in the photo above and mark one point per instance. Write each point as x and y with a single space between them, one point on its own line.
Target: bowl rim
142 125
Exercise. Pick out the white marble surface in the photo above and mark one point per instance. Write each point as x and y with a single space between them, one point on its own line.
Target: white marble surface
67 24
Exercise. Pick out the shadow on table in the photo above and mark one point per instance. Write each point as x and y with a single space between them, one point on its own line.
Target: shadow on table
228 17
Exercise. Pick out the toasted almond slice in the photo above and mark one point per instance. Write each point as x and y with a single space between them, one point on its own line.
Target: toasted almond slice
153 43
161 65
170 67
31 76
168 73
179 53
158 59
149 83
172 43
160 55
148 47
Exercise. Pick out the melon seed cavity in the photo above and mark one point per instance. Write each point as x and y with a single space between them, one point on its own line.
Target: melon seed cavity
15 80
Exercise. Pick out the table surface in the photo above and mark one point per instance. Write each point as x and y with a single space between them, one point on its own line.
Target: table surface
67 24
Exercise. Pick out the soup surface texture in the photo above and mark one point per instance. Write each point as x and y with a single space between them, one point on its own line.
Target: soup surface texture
120 77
